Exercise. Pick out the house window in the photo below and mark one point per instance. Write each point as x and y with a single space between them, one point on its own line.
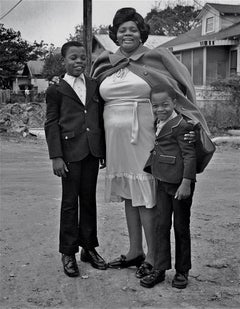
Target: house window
209 24
233 62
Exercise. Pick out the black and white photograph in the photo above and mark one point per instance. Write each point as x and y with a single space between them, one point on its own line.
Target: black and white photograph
120 154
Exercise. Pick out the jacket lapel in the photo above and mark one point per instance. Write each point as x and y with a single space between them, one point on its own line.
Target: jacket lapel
167 128
90 88
67 90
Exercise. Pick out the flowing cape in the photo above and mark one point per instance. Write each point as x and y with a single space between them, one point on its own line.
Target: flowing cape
155 66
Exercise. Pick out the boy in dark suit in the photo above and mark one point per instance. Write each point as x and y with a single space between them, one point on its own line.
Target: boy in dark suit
173 163
75 138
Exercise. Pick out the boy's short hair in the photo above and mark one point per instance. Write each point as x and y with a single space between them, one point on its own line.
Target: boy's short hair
69 44
165 88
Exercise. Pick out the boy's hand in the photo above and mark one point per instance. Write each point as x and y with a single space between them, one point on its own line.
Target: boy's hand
184 190
59 167
102 163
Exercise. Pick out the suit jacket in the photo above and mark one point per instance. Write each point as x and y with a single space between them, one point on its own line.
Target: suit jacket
72 129
172 158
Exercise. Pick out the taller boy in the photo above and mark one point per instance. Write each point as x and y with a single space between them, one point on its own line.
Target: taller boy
75 138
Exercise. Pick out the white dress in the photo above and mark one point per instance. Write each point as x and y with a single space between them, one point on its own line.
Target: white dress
129 130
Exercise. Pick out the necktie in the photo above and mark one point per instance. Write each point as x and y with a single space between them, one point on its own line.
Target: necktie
79 88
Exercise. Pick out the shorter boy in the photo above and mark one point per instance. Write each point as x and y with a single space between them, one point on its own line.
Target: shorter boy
173 163
75 138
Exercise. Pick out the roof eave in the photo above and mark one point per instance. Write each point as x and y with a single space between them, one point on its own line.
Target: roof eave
203 11
199 44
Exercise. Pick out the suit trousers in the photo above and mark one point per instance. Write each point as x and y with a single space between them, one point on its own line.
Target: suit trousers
78 220
180 210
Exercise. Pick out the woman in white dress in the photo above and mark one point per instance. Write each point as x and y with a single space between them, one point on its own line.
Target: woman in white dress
125 80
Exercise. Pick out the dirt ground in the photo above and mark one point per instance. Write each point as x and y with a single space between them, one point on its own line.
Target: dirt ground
31 270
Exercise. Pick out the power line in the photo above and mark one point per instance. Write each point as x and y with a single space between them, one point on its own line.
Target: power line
9 11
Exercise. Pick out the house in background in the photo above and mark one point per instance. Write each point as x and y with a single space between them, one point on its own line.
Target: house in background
103 42
31 77
212 50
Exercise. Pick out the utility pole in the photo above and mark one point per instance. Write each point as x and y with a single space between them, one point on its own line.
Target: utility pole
87 31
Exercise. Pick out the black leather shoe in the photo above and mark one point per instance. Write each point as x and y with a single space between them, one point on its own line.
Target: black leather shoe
144 270
122 262
180 280
70 265
154 278
92 257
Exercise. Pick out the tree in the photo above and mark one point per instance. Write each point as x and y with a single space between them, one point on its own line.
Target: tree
78 35
15 52
172 21
41 50
53 65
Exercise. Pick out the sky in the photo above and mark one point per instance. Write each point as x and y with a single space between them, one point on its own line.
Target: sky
53 20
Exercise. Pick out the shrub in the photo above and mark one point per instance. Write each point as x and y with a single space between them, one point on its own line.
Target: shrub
232 86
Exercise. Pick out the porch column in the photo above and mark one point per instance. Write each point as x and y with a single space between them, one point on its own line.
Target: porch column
204 66
192 63
238 60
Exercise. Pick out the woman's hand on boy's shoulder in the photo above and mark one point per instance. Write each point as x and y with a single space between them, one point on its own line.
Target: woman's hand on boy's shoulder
190 137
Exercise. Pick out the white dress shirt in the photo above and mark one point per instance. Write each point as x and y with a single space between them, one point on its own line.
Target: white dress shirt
78 84
161 123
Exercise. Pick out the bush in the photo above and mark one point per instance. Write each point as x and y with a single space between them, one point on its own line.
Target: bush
225 115
39 97
232 86
17 98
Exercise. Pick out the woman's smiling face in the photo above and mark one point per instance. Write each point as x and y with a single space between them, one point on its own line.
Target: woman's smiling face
128 36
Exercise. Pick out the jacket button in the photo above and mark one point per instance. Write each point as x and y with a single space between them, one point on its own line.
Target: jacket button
145 73
85 111
88 129
154 152
66 137
156 143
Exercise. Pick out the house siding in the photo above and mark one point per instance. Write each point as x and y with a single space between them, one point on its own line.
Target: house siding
40 84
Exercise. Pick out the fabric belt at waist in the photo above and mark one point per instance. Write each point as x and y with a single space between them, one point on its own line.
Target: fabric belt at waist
134 103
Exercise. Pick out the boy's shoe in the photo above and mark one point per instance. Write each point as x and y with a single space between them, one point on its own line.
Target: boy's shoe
70 265
180 280
144 270
154 278
92 257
